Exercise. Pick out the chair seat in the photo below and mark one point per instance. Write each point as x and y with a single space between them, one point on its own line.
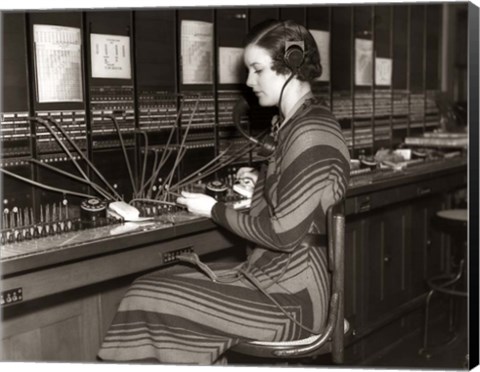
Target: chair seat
452 221
294 343
454 214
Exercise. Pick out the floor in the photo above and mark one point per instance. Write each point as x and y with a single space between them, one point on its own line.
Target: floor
404 355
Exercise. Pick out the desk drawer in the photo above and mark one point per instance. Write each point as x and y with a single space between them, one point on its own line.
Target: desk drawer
384 197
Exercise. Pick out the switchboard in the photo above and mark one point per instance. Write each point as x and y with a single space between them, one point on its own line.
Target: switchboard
134 106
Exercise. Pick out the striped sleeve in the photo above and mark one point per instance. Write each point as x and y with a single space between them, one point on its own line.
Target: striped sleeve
313 174
258 202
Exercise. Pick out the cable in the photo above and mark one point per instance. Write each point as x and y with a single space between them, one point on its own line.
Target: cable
167 144
85 158
185 179
163 160
145 184
124 150
144 167
182 150
46 187
281 117
259 286
246 149
166 184
100 190
156 172
195 260
62 145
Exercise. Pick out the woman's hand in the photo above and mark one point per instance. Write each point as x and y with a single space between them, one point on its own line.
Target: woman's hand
247 176
197 203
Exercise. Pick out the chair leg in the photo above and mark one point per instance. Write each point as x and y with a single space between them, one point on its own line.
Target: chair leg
426 349
423 350
451 315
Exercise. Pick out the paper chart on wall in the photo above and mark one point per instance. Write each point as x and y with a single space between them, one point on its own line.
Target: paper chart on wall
322 39
110 56
363 61
383 71
230 65
58 64
197 52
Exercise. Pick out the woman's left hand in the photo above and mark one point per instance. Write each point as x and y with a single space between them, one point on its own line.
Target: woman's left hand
197 203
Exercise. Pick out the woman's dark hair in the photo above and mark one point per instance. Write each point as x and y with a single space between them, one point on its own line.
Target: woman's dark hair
272 35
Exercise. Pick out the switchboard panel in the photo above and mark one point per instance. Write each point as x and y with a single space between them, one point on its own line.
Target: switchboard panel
362 78
59 108
342 59
15 131
231 31
417 67
17 143
111 96
318 23
197 54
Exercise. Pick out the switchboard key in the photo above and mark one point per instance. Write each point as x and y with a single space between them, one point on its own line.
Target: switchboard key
10 236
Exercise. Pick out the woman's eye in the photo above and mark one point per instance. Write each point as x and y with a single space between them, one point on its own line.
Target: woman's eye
258 71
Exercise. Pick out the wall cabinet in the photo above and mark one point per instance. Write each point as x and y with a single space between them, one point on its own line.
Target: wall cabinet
390 252
62 328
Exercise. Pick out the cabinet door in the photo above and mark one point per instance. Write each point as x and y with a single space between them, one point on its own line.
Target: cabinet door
427 245
354 295
49 330
385 257
354 246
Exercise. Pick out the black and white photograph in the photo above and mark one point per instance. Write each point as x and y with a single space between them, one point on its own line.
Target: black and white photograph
257 184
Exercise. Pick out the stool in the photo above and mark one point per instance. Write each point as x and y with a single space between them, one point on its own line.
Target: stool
454 223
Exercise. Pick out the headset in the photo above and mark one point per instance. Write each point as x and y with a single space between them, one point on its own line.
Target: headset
294 55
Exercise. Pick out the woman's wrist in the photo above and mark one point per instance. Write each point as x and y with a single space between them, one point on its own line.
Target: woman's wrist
196 203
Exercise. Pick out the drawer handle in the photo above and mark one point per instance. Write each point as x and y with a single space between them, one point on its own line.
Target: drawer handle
364 207
424 190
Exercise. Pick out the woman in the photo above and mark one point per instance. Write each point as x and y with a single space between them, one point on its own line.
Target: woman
281 291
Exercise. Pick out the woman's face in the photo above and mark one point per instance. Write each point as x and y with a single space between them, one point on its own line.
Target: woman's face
265 83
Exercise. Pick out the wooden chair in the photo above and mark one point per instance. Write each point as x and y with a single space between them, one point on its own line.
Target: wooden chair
331 340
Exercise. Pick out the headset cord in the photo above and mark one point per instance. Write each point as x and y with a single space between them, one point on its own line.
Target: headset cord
195 260
259 286
280 276
281 116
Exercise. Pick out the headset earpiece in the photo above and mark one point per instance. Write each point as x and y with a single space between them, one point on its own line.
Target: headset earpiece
294 54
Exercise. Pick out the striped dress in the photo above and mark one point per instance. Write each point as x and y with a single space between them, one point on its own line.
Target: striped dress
186 317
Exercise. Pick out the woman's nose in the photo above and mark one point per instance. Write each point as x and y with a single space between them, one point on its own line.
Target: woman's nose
250 82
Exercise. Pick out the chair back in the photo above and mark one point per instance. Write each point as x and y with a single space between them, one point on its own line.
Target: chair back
336 247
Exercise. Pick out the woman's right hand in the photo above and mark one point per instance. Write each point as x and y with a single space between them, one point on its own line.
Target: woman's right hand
197 203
